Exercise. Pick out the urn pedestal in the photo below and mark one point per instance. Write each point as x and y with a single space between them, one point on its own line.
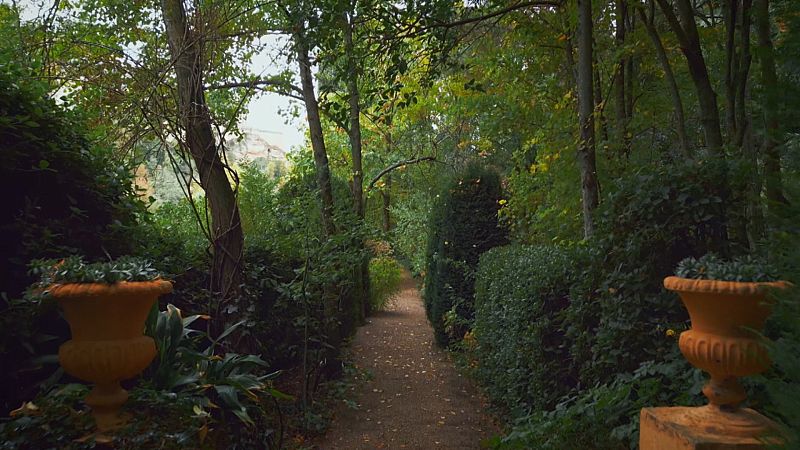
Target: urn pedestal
107 345
726 318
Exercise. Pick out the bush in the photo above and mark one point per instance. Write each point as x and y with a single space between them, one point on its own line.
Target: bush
385 276
649 223
463 226
409 235
595 322
520 295
68 195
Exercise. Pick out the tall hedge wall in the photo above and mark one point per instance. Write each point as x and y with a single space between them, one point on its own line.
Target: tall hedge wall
463 226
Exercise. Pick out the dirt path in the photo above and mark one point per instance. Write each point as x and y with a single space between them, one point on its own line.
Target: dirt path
416 399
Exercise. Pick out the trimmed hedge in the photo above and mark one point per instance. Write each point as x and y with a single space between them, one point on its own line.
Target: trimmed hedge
562 332
520 295
463 226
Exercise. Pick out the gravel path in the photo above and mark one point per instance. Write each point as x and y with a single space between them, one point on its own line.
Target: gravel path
416 399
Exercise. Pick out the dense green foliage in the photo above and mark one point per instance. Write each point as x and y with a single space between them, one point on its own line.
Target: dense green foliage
520 296
470 138
463 225
70 195
711 267
385 276
594 318
74 269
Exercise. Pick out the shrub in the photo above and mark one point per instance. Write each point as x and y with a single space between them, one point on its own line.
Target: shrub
385 276
607 416
594 320
711 267
651 221
68 195
463 226
520 295
409 236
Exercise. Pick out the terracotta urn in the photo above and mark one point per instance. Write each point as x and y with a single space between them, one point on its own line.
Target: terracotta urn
108 343
726 317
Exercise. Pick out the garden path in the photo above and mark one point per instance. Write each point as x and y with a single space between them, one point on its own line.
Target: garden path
416 399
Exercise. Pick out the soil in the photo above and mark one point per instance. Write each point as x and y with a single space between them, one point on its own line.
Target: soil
415 399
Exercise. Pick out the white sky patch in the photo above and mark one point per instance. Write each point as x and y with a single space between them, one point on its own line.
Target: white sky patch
271 113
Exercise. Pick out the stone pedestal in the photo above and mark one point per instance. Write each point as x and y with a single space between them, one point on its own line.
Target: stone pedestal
704 428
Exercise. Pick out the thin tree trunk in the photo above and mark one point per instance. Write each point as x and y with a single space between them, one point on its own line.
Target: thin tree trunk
362 278
669 77
769 79
317 139
630 75
226 229
586 147
690 46
620 10
730 13
598 102
355 123
743 75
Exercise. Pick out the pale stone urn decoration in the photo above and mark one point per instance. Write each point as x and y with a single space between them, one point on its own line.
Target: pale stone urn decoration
108 344
724 341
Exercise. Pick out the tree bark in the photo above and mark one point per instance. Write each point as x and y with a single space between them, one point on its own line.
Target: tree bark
362 279
354 132
729 13
586 147
226 229
769 79
672 84
743 75
620 103
690 46
317 139
598 101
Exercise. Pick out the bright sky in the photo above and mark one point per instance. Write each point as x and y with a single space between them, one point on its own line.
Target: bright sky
271 113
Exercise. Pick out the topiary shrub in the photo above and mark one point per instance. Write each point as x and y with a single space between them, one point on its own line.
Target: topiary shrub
463 226
520 295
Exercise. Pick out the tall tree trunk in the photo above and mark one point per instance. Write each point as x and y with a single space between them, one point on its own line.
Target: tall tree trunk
620 103
630 74
355 122
730 11
686 31
362 277
769 79
598 102
226 229
669 77
317 139
743 75
586 147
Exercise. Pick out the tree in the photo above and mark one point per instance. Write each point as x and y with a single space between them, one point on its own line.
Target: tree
586 147
186 47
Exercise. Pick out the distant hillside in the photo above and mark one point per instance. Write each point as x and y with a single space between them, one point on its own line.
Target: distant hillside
255 147
158 180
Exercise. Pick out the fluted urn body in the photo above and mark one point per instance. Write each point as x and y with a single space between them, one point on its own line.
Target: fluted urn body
724 342
108 343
